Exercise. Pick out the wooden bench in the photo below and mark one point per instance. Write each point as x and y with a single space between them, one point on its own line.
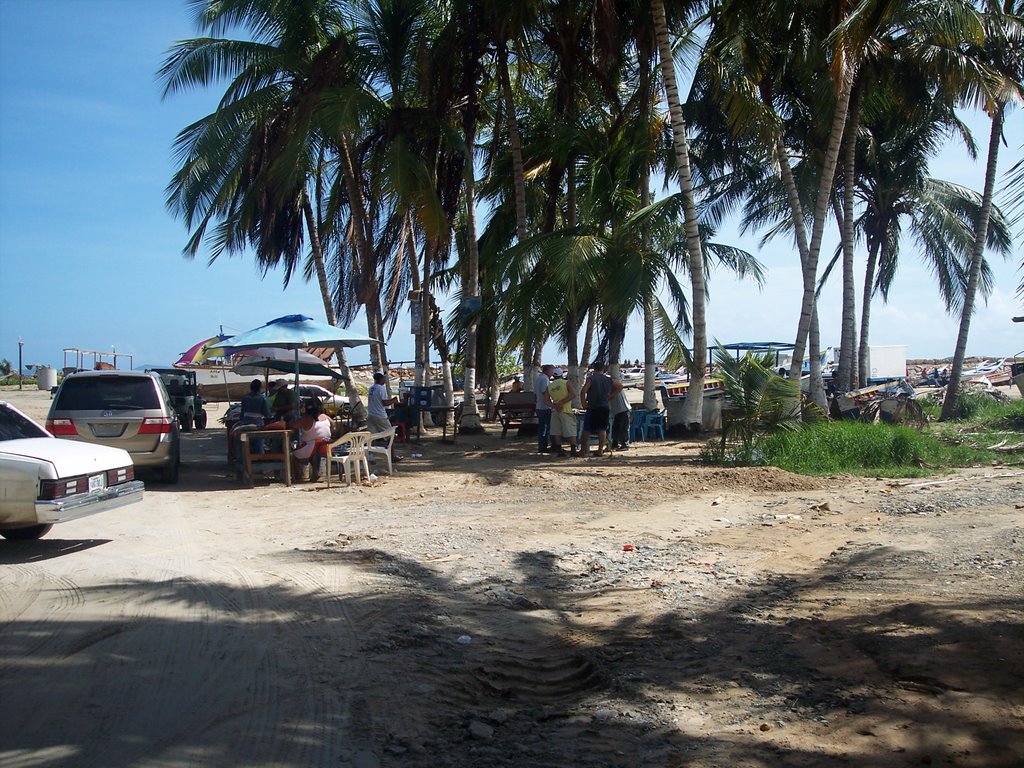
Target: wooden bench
514 408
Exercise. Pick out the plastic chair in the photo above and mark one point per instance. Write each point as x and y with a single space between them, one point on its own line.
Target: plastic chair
383 450
636 424
654 422
354 461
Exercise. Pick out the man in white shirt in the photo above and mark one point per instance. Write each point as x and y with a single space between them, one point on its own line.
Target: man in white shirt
376 416
377 401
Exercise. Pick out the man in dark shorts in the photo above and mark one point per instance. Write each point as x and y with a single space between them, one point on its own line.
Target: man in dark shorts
597 394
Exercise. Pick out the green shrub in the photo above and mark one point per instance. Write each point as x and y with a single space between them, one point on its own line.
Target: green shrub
973 406
857 448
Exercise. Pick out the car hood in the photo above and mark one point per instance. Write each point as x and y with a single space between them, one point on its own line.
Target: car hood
67 456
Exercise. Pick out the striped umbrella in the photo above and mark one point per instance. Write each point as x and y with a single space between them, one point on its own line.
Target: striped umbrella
203 350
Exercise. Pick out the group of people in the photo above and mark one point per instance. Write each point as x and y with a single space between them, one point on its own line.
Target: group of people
313 426
603 398
280 405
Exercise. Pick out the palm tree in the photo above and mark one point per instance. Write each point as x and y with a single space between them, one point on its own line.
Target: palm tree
240 168
895 188
768 67
757 400
694 394
1003 52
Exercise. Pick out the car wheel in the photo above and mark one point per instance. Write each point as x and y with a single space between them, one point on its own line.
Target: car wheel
186 421
170 474
26 534
201 419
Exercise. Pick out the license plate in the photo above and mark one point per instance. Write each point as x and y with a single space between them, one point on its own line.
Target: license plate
96 482
114 429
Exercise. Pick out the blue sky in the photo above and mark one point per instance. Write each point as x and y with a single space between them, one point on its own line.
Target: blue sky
90 257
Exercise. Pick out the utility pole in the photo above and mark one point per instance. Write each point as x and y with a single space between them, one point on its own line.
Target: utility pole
21 343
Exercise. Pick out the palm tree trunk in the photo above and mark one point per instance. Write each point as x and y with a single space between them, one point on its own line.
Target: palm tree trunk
572 346
865 312
810 266
325 295
423 348
980 237
650 398
470 421
848 333
692 409
816 387
518 172
576 376
852 373
364 250
650 363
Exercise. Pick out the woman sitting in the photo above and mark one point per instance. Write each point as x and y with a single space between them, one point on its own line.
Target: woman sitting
314 428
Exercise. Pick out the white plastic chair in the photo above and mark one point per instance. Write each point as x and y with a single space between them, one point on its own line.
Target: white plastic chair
383 450
353 463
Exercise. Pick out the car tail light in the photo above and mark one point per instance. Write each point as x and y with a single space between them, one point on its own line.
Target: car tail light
120 475
58 489
61 427
157 425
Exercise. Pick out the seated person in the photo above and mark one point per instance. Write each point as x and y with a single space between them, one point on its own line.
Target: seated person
255 412
314 427
255 408
284 402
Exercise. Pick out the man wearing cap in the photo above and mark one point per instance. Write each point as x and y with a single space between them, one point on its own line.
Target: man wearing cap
559 396
283 402
377 402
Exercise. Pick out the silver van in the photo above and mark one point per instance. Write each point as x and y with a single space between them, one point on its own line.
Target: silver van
123 409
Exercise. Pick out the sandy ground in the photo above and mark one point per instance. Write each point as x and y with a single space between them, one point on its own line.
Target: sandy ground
490 607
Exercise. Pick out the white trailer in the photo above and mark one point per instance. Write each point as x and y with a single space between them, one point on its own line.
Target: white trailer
887 362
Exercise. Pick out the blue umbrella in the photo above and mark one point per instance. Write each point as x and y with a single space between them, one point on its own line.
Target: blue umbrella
296 332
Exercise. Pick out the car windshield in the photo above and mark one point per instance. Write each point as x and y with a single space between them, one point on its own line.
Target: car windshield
14 426
107 393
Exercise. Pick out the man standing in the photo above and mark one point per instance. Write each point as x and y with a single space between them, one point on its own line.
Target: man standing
559 396
540 388
620 420
597 395
377 401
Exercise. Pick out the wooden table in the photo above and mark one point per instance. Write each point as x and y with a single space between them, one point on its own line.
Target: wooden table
283 454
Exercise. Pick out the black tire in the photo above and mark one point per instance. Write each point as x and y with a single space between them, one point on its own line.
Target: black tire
29 533
201 419
170 474
186 421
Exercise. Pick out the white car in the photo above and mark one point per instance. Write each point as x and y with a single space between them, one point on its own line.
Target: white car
333 404
44 480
